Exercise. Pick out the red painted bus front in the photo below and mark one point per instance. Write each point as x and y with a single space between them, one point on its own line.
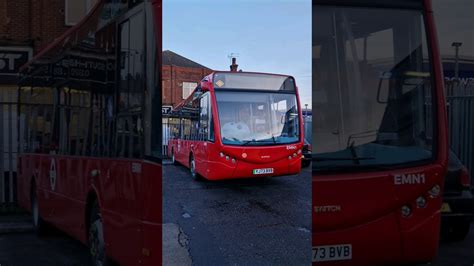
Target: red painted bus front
377 198
217 160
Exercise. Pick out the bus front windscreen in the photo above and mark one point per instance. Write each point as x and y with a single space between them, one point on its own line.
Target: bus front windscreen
257 118
372 89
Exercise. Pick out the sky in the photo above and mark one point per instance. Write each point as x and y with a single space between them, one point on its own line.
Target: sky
454 21
272 36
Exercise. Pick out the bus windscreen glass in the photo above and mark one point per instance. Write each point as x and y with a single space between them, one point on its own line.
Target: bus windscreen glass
257 118
372 91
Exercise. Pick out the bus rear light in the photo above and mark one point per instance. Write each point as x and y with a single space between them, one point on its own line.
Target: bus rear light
406 211
244 155
420 202
434 191
221 154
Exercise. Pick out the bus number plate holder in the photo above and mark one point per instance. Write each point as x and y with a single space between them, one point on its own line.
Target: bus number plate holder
263 171
332 253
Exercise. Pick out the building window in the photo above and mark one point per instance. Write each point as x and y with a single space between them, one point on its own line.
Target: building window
76 10
188 88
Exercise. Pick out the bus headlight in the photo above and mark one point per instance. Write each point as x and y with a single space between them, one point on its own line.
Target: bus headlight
299 151
421 202
227 158
244 155
434 191
294 154
221 154
289 157
406 211
233 160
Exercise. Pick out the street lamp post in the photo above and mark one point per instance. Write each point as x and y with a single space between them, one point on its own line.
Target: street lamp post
456 46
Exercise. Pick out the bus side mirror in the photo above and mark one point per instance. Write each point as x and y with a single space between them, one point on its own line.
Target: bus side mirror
383 92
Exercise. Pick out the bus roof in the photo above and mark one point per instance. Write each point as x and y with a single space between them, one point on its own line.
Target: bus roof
210 78
408 4
244 72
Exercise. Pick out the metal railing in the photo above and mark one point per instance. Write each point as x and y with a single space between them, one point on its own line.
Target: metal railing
460 109
8 148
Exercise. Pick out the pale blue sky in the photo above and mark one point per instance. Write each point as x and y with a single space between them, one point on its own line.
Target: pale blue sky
268 35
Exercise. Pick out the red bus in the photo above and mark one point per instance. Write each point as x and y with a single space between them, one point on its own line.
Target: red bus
380 132
89 107
239 125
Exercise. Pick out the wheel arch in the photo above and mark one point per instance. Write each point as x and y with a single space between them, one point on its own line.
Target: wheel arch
92 197
30 194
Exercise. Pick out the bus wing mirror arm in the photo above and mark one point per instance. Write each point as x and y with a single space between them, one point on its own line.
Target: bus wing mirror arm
385 75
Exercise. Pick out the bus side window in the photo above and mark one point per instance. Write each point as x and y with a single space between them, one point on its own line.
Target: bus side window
204 117
211 122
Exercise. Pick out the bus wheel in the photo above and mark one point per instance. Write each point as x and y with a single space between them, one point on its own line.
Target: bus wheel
173 159
192 168
38 223
457 231
96 238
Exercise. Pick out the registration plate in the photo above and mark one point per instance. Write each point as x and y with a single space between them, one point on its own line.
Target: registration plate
445 208
263 171
332 253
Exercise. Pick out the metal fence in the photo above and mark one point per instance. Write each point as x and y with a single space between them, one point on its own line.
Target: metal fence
8 147
460 109
166 136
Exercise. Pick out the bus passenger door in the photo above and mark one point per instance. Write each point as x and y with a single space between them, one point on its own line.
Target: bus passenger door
203 133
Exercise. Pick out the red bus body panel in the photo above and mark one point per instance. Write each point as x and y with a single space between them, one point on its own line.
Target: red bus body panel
370 216
127 191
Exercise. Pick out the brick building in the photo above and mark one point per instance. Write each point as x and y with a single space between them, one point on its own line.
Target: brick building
27 26
180 77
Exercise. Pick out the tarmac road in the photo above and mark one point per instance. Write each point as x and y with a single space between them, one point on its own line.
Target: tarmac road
258 222
24 249
457 253
263 221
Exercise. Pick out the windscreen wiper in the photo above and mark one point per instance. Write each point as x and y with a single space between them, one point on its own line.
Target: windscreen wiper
350 168
245 143
325 159
273 138
356 159
234 139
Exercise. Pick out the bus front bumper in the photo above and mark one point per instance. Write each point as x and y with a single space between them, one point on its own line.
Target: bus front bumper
241 169
381 242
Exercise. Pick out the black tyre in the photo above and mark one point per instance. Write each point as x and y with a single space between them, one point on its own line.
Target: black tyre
456 231
192 168
173 158
96 238
305 163
40 226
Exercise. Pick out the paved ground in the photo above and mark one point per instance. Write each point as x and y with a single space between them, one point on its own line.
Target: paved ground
24 249
259 221
457 253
